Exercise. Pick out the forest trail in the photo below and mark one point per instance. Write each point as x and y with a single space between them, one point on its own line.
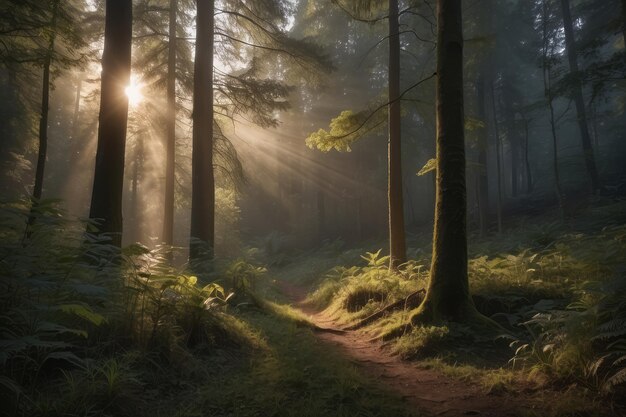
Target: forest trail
431 392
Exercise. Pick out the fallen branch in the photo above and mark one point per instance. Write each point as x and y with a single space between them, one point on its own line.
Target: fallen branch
413 300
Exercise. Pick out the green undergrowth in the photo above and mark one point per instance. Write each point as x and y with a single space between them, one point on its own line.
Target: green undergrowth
557 288
86 329
89 330
293 375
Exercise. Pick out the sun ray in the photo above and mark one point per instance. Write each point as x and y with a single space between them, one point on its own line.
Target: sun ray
134 92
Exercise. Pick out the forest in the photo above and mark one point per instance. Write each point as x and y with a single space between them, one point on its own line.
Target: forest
314 208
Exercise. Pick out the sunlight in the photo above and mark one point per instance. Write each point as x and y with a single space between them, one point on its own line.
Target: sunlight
133 92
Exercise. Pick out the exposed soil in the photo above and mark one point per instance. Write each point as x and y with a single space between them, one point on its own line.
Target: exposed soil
431 392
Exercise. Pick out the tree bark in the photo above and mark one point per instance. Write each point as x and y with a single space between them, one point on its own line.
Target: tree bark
483 145
570 45
203 183
512 134
170 139
76 116
547 85
397 243
529 176
108 183
447 296
136 227
496 131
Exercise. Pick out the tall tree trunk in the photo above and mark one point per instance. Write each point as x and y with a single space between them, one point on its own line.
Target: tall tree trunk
512 135
513 142
203 184
136 229
570 45
170 139
529 176
45 107
397 243
76 116
483 145
496 131
108 183
448 296
547 85
555 160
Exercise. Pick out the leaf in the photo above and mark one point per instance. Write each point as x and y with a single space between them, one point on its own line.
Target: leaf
472 123
136 249
544 305
12 385
46 326
616 379
83 312
66 356
429 166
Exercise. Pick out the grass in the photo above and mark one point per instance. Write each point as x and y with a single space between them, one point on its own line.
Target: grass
556 288
287 378
163 345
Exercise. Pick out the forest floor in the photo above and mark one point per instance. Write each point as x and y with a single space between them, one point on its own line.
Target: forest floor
429 391
279 349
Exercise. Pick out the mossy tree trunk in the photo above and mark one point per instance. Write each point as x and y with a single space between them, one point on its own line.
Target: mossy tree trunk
397 243
108 183
203 182
448 296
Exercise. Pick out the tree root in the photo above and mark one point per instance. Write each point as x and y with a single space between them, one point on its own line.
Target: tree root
413 300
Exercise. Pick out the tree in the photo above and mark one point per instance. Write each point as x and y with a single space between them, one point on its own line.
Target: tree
498 142
397 240
41 41
547 64
106 197
448 296
203 182
170 138
45 105
325 141
572 56
251 39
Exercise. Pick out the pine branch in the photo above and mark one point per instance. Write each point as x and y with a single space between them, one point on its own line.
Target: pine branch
382 106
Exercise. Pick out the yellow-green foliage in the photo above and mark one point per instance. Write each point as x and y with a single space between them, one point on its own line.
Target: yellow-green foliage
548 273
370 286
227 216
565 287
243 276
339 136
344 130
422 340
162 303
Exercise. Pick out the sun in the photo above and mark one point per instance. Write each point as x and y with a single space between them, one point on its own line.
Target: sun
133 92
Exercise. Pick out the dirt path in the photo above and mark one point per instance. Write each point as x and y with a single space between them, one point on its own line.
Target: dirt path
431 392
